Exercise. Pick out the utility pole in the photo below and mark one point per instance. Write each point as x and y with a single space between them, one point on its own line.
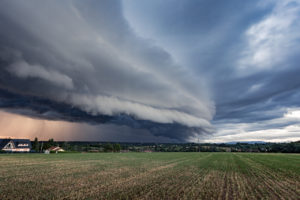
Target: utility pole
42 147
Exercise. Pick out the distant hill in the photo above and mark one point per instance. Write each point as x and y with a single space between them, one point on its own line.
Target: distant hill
247 142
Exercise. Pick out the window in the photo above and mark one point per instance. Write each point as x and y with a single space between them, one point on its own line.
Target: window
22 145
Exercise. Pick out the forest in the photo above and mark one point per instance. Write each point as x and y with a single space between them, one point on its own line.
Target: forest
80 146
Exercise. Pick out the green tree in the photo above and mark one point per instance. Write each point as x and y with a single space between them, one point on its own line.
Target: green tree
117 147
36 145
108 147
49 144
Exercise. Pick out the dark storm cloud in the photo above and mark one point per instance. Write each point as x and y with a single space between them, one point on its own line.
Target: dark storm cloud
41 108
246 51
163 67
81 61
278 89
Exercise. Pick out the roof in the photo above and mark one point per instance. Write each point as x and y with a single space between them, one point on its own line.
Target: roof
19 143
54 148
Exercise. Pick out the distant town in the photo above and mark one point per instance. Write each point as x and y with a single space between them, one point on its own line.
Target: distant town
13 145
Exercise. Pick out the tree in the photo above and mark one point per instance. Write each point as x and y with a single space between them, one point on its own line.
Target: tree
117 147
49 144
108 147
36 145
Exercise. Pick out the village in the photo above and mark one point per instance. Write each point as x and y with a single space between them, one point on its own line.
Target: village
22 145
12 145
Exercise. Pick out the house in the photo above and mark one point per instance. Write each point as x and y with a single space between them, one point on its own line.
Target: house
55 149
15 145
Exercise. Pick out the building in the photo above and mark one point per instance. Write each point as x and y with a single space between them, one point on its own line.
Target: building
15 145
55 149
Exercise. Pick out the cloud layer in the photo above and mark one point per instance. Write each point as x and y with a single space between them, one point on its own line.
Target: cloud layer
85 55
182 73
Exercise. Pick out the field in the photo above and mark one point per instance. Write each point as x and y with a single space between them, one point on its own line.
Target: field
150 176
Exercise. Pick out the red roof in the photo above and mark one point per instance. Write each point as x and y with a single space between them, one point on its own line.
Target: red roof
54 148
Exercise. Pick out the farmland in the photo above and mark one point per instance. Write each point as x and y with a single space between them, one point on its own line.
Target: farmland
150 176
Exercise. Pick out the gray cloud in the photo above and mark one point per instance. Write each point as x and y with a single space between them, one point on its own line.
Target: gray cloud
23 70
168 74
246 51
85 55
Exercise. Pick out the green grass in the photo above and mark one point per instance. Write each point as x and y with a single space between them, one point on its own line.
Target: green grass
150 176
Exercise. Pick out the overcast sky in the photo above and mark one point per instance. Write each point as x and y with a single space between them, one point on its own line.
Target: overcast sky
150 71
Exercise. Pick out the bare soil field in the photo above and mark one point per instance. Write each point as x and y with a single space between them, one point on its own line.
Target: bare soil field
150 176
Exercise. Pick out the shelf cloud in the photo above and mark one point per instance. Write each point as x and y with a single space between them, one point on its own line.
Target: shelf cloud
178 75
85 55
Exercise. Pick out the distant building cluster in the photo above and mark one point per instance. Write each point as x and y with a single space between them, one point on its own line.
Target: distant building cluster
54 149
12 145
15 145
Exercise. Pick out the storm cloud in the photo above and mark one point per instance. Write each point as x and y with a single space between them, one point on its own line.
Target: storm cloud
174 70
86 57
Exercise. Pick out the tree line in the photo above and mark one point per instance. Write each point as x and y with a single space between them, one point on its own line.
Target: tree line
292 147
41 146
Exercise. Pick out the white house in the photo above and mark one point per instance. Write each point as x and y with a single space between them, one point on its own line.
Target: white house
15 145
55 149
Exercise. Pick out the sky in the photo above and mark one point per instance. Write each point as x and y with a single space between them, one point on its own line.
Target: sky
150 71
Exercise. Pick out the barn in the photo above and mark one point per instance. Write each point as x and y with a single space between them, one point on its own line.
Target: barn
55 149
15 145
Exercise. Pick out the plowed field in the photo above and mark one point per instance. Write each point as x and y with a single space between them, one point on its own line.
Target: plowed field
150 176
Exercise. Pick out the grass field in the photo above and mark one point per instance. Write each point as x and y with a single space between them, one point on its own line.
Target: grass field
150 176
